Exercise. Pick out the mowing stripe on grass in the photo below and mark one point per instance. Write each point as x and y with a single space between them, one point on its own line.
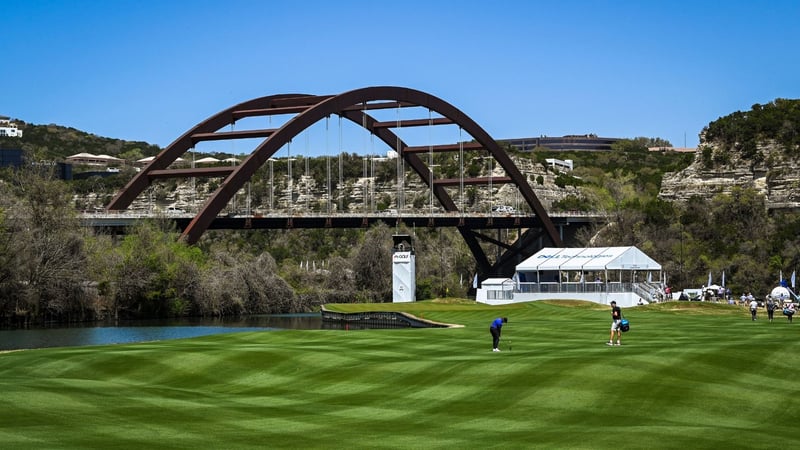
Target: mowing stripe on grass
701 377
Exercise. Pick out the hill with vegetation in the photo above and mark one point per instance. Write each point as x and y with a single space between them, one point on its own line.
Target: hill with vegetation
54 143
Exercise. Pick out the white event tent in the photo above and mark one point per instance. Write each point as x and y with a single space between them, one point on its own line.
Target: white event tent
610 263
207 160
598 274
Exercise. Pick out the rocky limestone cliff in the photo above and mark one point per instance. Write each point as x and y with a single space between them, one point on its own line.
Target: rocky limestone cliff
306 194
774 175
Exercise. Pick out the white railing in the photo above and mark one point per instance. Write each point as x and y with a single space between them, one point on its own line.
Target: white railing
134 214
576 288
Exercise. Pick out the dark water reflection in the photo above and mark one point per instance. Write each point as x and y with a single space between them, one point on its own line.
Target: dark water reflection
100 333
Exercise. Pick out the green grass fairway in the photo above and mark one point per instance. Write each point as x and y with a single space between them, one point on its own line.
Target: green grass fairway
687 376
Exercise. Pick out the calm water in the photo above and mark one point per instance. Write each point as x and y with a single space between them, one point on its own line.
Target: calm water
154 330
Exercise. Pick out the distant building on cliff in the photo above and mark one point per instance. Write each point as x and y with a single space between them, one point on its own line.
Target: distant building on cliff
9 128
589 142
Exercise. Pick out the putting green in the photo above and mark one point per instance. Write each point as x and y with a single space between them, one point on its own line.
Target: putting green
686 376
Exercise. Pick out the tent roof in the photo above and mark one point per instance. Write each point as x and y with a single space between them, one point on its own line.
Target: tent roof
82 155
107 158
588 258
779 292
91 157
207 159
497 281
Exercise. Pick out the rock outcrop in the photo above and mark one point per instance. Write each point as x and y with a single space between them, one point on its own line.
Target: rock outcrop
306 194
773 174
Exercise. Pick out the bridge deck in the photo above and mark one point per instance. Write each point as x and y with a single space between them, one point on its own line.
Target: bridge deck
350 220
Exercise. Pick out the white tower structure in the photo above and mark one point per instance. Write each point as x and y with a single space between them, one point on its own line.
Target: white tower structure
404 281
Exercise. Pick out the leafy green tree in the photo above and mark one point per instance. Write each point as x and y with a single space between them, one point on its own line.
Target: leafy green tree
152 277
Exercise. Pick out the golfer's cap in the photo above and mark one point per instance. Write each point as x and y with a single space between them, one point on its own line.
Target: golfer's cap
613 302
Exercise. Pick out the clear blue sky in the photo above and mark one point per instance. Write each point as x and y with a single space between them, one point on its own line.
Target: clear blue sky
150 70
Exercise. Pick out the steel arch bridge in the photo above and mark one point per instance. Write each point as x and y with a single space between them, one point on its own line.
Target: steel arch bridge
354 106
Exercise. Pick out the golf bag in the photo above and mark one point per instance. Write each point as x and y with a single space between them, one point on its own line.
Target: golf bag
624 325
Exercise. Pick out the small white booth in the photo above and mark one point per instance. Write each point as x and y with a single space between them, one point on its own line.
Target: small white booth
598 274
404 283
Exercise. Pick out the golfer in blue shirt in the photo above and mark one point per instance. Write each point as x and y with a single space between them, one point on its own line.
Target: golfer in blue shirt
495 329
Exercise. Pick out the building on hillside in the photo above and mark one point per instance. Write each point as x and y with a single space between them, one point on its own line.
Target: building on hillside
9 128
587 142
15 158
560 165
89 159
622 274
673 149
11 158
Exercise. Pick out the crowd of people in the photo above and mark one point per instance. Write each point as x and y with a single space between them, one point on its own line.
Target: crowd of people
782 302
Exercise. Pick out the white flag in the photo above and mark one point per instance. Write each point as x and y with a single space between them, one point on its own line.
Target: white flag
475 281
723 278
793 278
709 279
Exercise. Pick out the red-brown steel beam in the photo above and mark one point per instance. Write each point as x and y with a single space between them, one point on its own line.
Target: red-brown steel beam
297 100
268 111
200 172
412 123
225 135
379 105
466 146
472 181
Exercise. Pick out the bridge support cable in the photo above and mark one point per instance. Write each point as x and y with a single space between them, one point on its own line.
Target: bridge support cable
340 187
355 106
327 165
400 168
365 183
430 161
304 182
290 180
271 185
460 171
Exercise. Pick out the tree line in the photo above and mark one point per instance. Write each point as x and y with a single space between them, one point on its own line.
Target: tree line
52 269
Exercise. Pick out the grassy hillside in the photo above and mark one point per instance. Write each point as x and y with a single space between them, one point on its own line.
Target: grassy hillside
705 377
55 142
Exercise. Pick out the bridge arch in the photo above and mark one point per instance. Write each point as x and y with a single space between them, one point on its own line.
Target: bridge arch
354 106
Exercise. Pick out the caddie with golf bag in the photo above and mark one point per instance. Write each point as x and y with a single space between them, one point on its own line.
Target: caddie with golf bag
616 324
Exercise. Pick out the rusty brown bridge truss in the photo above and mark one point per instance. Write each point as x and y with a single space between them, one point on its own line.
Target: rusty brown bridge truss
355 106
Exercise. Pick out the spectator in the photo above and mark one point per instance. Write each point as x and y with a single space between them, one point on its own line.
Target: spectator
770 308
